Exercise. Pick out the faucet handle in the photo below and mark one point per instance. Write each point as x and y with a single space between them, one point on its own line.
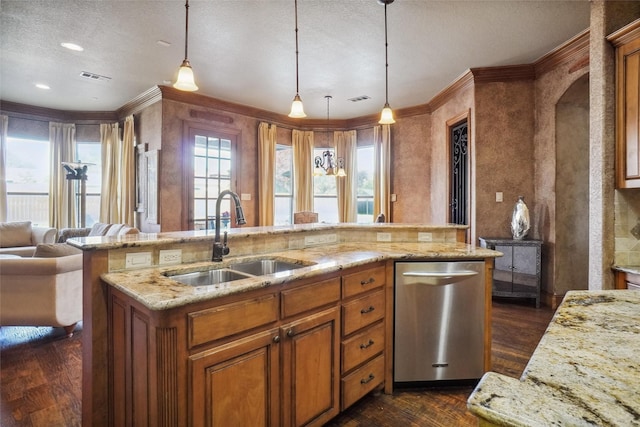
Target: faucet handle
225 248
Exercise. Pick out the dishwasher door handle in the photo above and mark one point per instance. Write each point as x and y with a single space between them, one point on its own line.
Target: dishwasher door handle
436 278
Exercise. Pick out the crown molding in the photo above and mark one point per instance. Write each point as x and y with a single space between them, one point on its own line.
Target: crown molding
506 73
625 34
448 93
24 111
575 49
140 102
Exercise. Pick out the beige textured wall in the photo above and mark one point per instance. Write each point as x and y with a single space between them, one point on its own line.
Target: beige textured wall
411 170
504 133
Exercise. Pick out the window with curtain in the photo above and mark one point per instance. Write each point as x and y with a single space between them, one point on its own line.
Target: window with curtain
212 174
364 185
325 194
27 178
90 152
283 185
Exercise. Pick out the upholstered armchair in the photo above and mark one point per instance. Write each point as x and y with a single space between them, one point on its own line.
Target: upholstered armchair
21 238
44 290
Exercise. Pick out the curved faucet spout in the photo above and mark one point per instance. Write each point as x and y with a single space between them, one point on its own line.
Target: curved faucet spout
220 249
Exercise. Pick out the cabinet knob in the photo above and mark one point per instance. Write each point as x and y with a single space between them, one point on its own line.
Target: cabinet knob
290 333
367 310
276 339
366 282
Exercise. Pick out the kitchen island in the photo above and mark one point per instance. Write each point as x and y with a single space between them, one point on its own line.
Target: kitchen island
347 276
584 372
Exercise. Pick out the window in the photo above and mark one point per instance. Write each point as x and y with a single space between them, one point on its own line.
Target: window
211 175
27 176
364 186
90 152
325 194
283 184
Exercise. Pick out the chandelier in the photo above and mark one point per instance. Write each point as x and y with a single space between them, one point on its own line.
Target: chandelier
325 164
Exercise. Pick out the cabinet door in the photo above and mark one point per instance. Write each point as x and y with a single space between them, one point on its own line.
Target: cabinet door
628 115
311 369
503 267
236 384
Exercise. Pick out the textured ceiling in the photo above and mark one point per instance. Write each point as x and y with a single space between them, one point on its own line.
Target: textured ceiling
243 51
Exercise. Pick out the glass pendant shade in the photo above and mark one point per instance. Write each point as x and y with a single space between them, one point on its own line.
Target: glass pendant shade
386 117
185 79
341 172
297 110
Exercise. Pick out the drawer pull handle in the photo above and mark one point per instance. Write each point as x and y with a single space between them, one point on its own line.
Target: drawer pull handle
367 310
367 345
290 333
366 282
368 379
276 339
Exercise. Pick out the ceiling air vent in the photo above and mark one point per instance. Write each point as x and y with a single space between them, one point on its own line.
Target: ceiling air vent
94 76
359 98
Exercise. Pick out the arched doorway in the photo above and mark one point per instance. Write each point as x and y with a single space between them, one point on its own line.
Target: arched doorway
572 188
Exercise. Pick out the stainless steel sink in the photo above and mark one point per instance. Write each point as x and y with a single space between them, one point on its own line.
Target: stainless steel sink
209 277
261 267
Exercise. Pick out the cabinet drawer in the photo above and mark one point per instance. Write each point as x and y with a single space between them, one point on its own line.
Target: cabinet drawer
230 319
362 312
305 298
361 381
362 346
362 281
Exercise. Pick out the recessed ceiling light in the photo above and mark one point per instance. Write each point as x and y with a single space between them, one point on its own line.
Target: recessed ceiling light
72 46
42 86
163 43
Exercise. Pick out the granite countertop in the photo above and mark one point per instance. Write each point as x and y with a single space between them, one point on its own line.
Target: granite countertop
155 290
584 372
633 269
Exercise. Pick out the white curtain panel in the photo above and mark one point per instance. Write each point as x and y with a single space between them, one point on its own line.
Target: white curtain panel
346 148
266 173
126 183
4 124
302 143
62 207
109 210
382 174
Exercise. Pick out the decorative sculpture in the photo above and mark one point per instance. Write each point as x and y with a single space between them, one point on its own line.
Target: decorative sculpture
520 222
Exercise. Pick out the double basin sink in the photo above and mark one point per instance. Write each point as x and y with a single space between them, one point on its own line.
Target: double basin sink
236 271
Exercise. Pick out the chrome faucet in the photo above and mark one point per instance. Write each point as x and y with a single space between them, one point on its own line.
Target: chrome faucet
221 249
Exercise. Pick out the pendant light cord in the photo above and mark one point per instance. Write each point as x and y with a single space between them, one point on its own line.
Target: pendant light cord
186 30
386 58
296 11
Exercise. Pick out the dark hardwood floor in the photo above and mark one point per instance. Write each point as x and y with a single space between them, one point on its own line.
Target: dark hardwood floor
40 377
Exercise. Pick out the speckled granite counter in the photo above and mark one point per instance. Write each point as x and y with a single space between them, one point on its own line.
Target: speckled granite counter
155 290
584 372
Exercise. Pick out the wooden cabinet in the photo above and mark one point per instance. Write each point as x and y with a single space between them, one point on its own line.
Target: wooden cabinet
287 355
627 43
363 334
517 273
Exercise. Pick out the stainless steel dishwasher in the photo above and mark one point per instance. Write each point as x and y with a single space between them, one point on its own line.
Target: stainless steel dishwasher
439 321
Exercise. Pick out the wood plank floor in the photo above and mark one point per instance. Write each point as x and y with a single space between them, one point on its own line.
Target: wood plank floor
40 377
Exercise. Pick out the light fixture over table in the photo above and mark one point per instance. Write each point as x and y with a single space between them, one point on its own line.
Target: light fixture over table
325 164
386 117
297 110
185 79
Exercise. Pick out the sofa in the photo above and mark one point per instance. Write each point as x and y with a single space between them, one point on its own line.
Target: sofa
98 229
21 238
43 290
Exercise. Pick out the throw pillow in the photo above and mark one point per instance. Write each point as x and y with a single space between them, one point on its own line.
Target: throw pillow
15 234
99 229
113 230
127 229
54 250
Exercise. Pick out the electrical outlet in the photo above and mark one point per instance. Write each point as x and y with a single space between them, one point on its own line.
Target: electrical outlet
321 239
245 196
384 237
425 237
137 260
170 256
499 197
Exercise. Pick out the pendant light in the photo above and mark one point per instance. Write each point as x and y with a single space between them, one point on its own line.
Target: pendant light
297 110
185 79
386 117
